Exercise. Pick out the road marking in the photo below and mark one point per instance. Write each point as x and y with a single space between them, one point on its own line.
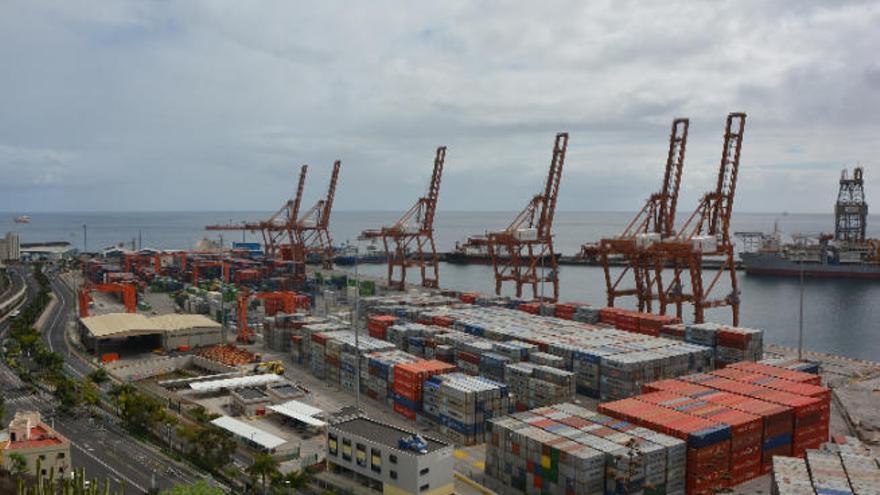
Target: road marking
460 454
107 466
57 314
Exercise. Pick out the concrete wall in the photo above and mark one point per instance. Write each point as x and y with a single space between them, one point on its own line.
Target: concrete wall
196 337
146 368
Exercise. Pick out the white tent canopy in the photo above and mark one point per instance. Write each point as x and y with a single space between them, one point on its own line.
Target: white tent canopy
260 437
300 412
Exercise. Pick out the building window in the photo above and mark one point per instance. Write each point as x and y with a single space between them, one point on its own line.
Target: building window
61 455
346 449
333 445
361 455
424 471
424 487
42 457
392 458
376 460
393 474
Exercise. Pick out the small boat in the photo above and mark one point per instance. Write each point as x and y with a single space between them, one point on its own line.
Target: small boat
23 219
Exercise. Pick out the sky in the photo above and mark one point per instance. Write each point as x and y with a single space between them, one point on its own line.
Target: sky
214 105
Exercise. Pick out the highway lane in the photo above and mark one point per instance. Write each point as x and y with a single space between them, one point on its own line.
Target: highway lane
100 445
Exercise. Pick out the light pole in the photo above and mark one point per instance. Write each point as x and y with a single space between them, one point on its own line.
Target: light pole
355 320
801 312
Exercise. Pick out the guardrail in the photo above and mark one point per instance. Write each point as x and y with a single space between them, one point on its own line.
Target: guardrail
7 305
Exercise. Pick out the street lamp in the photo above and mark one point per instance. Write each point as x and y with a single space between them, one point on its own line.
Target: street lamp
801 311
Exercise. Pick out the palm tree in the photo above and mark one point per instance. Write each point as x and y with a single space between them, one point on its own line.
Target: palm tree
264 465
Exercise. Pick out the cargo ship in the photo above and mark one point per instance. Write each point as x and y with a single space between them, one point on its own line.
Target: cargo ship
473 253
845 254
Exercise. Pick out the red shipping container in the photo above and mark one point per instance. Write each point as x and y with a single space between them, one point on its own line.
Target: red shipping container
404 411
766 369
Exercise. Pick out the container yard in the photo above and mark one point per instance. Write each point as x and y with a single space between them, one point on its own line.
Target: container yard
548 396
600 399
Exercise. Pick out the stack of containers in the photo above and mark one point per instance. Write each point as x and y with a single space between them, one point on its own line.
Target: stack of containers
791 477
779 372
777 420
546 359
792 364
745 430
534 385
409 379
377 325
675 331
492 365
636 321
334 356
522 453
812 431
708 454
566 311
377 373
863 473
660 478
734 344
811 415
841 468
317 352
461 405
587 314
827 473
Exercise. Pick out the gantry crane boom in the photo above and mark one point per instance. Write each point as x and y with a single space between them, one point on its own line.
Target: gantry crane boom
414 229
312 230
655 221
519 251
281 222
705 233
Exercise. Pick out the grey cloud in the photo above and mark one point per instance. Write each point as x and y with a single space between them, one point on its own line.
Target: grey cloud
217 104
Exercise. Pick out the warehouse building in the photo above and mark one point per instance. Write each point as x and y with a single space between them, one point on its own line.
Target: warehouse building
375 455
136 332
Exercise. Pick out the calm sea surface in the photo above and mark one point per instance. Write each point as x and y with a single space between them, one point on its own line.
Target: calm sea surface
841 316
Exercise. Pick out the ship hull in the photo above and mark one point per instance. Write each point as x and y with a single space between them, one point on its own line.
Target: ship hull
772 265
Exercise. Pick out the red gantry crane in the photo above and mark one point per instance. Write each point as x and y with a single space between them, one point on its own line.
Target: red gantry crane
128 291
414 229
654 222
705 233
286 301
278 225
518 252
312 229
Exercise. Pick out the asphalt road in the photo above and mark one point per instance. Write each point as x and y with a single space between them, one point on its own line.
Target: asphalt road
99 445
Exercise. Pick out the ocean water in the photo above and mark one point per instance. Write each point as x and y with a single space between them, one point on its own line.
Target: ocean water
840 316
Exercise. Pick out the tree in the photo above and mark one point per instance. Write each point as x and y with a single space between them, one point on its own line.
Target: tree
201 487
99 376
17 465
295 480
67 392
264 465
208 447
89 395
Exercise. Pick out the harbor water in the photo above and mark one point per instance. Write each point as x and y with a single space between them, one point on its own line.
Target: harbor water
840 316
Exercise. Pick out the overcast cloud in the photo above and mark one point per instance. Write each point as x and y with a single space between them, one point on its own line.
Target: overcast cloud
214 104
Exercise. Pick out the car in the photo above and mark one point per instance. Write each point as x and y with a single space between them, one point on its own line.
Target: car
14 314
